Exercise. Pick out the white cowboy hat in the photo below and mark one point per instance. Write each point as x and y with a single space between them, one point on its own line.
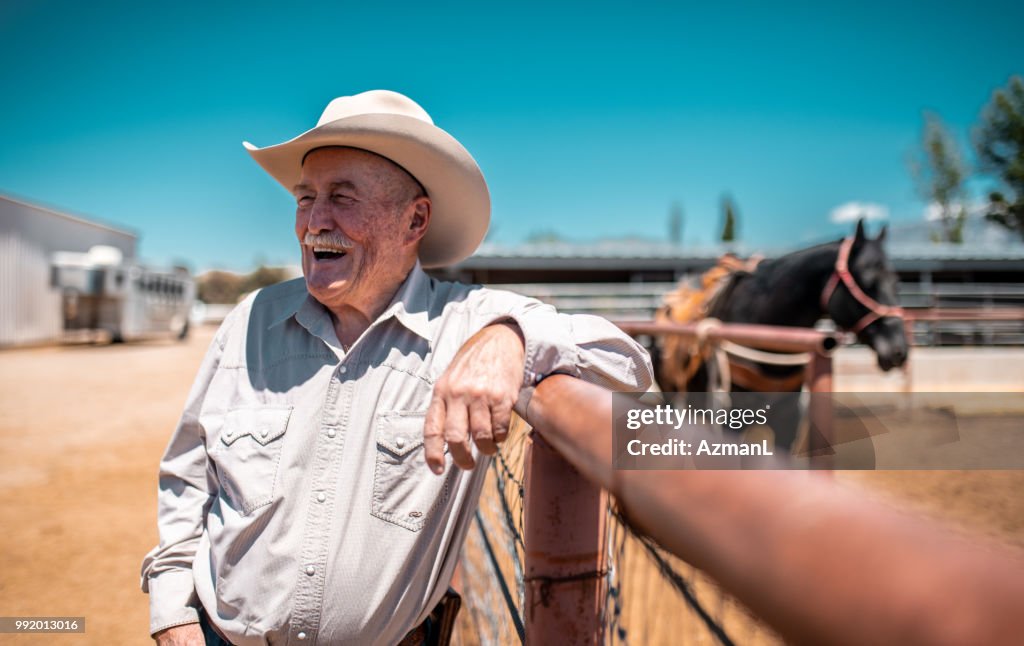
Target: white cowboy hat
394 126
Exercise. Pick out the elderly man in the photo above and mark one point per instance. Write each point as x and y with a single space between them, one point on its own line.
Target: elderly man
308 493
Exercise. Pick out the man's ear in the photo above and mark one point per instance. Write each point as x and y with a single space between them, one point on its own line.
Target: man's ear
419 211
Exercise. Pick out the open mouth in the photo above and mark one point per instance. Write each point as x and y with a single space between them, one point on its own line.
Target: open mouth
325 253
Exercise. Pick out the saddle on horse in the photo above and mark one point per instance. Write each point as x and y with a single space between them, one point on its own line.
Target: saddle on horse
682 359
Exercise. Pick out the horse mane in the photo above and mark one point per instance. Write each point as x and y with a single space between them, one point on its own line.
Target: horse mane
783 265
781 289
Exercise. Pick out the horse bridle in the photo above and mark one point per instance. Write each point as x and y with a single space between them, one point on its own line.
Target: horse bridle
841 273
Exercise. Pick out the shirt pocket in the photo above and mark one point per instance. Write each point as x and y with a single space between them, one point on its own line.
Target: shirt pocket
248 453
405 491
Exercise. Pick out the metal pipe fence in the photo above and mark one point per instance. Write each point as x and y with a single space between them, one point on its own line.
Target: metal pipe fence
816 560
578 519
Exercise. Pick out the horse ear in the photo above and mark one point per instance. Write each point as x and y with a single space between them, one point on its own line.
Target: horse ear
858 235
882 233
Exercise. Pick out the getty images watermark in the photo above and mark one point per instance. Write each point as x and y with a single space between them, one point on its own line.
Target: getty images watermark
667 417
813 431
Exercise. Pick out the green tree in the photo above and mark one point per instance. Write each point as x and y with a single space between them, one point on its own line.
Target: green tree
999 141
729 220
675 223
263 277
219 287
227 287
939 173
544 236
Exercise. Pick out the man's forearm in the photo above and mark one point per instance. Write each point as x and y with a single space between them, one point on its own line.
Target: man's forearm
183 635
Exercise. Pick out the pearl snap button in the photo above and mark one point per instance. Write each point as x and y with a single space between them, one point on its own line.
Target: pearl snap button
320 497
264 433
343 370
301 635
399 442
310 570
330 432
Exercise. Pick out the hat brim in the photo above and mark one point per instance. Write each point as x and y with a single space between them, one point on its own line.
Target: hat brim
461 204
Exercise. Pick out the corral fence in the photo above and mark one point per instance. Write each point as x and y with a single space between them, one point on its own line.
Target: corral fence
989 314
552 559
567 550
985 326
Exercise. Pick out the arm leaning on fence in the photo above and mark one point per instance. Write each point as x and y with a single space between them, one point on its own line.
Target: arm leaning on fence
815 559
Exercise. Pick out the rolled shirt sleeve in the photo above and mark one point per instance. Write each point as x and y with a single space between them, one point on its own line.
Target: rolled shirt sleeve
184 497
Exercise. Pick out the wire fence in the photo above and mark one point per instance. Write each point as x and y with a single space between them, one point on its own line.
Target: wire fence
493 556
651 597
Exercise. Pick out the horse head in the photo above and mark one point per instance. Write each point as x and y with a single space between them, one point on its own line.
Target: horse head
861 297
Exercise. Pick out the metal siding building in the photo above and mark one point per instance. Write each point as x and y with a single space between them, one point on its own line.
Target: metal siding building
627 279
640 261
30 307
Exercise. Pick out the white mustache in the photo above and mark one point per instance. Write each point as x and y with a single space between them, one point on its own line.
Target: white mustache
328 240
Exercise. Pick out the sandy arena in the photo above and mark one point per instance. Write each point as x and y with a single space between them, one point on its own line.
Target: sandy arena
83 429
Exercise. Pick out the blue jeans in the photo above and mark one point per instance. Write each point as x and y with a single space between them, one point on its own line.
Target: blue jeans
211 636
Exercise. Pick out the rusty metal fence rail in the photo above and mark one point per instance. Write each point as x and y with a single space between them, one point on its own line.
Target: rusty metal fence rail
808 556
561 558
817 377
817 561
985 326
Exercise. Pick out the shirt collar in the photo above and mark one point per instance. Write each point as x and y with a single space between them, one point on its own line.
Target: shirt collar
410 305
290 306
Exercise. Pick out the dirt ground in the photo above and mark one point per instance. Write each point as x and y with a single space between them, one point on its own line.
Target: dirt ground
83 428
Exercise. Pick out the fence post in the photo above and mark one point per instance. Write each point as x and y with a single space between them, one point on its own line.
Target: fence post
565 551
908 333
820 436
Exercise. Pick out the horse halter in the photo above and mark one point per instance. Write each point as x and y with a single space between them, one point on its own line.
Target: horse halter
841 273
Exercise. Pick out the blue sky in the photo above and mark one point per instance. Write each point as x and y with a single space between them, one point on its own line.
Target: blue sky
588 119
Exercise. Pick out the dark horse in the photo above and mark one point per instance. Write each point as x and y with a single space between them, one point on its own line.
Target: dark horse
849 281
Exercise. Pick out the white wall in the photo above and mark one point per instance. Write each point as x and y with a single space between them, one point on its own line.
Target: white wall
30 309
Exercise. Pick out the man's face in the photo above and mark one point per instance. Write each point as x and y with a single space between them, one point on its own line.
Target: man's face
352 207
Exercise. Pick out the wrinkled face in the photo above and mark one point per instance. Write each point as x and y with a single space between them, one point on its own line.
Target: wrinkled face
356 222
871 271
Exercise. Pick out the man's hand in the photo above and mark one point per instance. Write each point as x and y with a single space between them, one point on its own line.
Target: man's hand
474 396
185 635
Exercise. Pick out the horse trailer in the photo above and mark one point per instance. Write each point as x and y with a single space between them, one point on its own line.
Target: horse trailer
127 301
